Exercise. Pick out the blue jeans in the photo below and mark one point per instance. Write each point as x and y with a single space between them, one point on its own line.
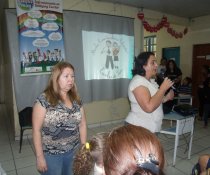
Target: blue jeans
59 164
206 113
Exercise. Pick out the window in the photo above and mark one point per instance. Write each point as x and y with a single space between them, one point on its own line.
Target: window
150 43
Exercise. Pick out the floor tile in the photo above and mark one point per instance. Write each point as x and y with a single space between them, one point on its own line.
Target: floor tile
5 148
25 162
203 142
100 129
11 173
25 151
8 165
173 171
195 148
169 158
184 166
5 156
30 170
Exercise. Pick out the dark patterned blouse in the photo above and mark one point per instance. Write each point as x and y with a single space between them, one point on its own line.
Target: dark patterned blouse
60 131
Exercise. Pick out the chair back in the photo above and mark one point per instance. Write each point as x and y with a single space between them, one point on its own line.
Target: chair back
25 117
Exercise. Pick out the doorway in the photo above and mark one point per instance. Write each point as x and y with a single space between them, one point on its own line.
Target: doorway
201 56
172 53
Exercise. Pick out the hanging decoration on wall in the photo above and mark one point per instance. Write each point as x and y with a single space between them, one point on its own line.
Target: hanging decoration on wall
163 23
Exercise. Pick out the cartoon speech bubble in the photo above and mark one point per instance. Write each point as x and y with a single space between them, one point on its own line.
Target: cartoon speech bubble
55 36
49 16
31 23
33 33
35 14
41 42
50 26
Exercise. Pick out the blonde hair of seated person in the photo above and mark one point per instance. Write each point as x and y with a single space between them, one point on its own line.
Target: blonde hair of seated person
86 157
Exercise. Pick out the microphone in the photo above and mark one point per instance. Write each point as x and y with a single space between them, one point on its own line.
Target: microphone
172 87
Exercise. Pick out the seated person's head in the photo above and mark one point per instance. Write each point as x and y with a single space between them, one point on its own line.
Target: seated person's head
163 61
90 154
187 81
133 150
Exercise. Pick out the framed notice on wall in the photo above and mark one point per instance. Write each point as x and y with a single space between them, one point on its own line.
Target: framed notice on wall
40 27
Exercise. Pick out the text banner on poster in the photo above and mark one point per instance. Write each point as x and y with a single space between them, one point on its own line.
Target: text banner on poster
40 24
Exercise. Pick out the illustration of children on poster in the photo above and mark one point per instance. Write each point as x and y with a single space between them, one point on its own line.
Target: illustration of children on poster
40 24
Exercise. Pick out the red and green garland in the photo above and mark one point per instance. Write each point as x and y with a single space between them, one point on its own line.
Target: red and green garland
163 23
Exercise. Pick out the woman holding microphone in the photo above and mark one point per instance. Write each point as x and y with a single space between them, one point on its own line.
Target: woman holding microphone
145 96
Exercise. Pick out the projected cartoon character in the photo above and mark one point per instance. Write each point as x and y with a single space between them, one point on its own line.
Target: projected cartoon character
115 51
109 59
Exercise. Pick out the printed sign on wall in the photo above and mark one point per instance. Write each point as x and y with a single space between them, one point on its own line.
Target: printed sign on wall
40 24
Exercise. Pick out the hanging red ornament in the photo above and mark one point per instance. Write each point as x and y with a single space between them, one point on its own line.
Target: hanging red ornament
166 24
148 28
164 19
159 25
140 15
163 23
185 31
155 29
145 24
169 30
173 33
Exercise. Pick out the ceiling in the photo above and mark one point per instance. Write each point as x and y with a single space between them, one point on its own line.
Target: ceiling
181 8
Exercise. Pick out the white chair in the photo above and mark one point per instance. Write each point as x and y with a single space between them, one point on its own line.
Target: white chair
183 125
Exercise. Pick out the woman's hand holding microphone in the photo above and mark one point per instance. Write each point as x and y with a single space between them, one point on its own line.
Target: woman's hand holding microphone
167 84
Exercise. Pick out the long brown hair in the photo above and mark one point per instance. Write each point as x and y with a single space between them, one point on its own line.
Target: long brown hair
52 89
85 158
122 150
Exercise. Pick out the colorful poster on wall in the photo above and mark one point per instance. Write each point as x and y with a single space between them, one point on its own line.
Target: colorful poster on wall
40 24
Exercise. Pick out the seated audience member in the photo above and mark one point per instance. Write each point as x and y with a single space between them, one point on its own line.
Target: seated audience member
161 71
133 150
89 158
173 72
185 89
127 150
203 166
162 66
